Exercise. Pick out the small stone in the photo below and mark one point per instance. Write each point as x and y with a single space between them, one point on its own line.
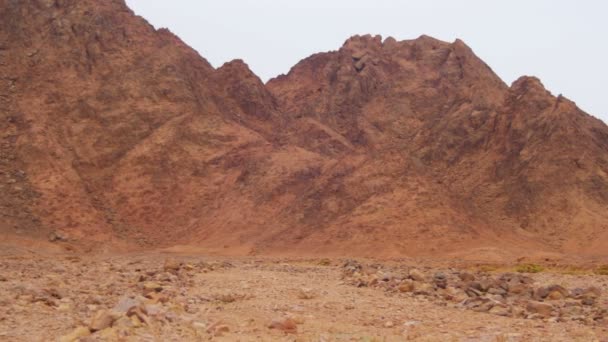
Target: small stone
440 280
221 329
151 286
102 320
57 236
466 276
497 291
75 335
416 275
3 278
125 304
199 325
218 329
558 288
500 310
172 265
453 294
555 295
155 297
407 286
472 292
64 307
286 325
541 293
543 309
424 289
306 293
136 321
520 289
389 324
226 298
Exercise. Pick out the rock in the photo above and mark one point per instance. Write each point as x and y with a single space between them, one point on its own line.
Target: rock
497 291
64 307
102 320
453 294
555 295
541 293
424 289
389 324
472 292
76 334
156 297
351 266
572 309
199 325
520 289
140 313
125 304
58 236
474 285
406 285
440 280
543 309
466 277
479 304
172 265
500 310
287 325
557 292
151 286
386 277
93 300
226 298
3 278
416 275
486 284
154 309
588 301
123 322
306 293
592 292
218 329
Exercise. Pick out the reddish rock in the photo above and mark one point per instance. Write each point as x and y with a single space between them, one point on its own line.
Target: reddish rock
115 131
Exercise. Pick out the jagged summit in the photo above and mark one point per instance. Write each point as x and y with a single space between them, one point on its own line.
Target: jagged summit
115 133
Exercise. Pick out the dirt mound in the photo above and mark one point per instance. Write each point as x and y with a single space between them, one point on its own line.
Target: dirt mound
118 133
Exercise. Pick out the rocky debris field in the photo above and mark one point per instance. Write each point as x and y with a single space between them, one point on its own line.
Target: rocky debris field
502 294
161 297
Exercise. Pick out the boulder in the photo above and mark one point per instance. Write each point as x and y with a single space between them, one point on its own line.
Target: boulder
75 335
102 320
540 308
407 285
416 275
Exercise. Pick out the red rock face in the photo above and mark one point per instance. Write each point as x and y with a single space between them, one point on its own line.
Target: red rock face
113 131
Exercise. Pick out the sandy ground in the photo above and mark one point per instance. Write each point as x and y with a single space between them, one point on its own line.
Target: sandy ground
166 297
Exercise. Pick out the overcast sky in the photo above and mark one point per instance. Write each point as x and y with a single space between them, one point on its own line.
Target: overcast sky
564 43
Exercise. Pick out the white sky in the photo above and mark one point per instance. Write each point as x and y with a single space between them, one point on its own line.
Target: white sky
564 43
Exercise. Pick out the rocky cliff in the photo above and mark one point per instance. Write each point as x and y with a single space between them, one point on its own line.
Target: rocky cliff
114 133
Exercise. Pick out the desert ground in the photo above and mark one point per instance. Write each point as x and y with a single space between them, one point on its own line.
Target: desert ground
170 296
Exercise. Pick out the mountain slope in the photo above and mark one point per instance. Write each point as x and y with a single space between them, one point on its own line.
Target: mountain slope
118 133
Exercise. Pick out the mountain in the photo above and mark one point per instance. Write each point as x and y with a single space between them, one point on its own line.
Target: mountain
114 133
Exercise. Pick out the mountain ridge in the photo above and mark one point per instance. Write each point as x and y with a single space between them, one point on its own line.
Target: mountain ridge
118 134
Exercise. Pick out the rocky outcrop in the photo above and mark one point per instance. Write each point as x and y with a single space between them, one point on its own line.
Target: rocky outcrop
114 131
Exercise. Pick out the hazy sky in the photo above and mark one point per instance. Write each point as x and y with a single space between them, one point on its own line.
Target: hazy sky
564 43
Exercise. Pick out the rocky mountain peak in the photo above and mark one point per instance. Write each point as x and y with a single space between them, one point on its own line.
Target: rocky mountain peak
115 131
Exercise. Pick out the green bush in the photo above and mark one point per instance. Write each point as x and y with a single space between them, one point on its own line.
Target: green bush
529 268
